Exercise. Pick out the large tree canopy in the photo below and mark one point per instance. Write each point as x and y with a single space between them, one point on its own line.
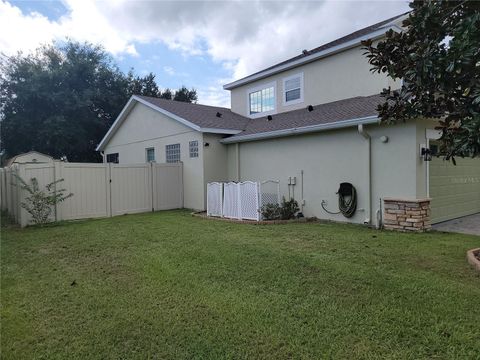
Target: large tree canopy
62 99
438 59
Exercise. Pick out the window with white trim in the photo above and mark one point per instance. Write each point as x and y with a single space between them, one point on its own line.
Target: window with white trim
172 153
293 89
262 100
193 148
150 154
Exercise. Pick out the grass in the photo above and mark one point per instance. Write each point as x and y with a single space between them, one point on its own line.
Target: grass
166 285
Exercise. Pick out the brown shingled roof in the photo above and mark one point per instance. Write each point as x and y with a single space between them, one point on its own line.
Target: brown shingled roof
347 109
205 116
202 115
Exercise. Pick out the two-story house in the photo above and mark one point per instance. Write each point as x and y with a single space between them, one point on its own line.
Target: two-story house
312 118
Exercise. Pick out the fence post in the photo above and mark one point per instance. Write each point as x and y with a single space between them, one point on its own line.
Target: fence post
153 187
22 213
108 184
57 174
182 187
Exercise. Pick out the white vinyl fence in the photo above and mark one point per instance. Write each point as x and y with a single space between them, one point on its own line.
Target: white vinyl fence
99 190
242 200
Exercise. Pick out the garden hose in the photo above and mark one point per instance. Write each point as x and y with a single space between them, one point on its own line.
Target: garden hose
347 200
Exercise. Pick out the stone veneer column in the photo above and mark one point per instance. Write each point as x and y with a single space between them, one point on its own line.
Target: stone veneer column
406 214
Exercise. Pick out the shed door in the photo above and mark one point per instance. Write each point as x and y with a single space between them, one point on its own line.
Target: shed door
454 190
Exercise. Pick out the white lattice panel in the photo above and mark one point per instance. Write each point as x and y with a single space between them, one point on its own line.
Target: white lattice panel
269 192
215 199
231 208
249 201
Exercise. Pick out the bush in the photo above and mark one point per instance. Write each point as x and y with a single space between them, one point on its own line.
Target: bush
286 211
289 209
39 203
271 212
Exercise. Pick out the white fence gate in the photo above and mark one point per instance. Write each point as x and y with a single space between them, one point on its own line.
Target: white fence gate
242 200
215 199
99 190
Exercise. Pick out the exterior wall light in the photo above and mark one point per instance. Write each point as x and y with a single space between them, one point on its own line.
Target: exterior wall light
426 154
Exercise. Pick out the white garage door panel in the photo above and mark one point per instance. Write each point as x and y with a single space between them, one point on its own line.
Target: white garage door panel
455 190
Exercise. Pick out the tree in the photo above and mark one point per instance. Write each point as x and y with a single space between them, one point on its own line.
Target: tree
142 85
183 94
166 94
438 59
62 99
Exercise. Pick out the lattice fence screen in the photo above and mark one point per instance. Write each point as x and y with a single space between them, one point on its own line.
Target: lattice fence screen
269 192
215 199
231 204
249 200
241 200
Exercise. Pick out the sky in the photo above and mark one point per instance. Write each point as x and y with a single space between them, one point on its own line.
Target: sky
199 44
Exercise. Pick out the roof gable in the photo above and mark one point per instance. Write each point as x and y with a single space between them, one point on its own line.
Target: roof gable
198 117
351 40
333 115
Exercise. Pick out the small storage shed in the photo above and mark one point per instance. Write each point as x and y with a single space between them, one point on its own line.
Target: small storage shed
28 158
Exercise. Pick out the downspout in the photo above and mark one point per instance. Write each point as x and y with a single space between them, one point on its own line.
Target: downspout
103 156
368 215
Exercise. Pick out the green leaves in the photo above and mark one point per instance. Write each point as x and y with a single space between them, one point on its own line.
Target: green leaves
39 203
62 99
438 59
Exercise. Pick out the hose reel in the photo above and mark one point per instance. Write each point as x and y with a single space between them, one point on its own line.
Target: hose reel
347 200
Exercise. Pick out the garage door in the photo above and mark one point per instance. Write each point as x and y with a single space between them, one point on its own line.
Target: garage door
455 190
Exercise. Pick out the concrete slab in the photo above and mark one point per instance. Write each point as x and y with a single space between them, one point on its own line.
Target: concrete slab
465 225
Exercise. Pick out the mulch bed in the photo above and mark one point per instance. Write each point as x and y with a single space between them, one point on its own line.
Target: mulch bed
203 215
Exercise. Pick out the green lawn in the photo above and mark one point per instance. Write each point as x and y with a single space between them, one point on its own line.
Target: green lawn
167 285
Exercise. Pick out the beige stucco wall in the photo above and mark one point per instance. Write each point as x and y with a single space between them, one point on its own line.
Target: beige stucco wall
145 128
340 76
329 158
214 160
421 166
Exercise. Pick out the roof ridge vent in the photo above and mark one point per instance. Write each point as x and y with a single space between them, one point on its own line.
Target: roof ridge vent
219 114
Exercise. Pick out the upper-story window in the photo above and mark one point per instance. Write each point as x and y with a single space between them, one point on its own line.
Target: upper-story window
293 89
261 100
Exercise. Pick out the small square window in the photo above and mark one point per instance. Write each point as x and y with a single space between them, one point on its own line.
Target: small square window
172 153
193 148
150 154
112 158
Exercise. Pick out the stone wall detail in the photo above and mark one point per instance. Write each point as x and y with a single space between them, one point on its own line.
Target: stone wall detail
406 214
